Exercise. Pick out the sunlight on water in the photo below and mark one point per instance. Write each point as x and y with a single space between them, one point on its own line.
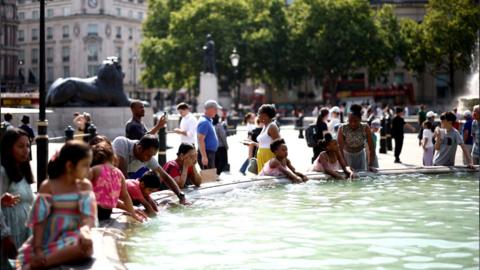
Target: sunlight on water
399 222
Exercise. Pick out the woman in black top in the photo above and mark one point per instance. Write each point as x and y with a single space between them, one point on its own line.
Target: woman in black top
322 128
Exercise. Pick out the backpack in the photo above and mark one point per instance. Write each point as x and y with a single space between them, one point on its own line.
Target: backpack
311 135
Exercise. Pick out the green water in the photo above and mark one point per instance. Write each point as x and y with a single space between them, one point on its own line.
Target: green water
399 222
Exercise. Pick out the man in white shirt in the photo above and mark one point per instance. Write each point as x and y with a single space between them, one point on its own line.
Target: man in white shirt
188 124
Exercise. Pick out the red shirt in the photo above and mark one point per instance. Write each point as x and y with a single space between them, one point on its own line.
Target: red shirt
133 188
174 170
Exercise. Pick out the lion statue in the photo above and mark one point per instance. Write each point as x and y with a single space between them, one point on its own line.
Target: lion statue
105 89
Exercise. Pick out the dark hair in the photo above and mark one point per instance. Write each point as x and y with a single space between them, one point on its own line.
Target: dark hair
248 116
135 102
398 110
25 119
215 119
149 141
150 180
268 109
183 106
98 139
7 117
102 152
72 151
15 173
327 138
185 148
276 144
356 110
323 113
449 116
427 124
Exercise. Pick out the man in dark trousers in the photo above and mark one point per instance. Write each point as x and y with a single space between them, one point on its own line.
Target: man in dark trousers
398 124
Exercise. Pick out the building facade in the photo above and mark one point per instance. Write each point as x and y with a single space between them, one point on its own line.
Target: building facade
79 35
9 78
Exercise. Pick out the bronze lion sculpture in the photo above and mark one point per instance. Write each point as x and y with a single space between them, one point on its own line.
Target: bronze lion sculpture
105 89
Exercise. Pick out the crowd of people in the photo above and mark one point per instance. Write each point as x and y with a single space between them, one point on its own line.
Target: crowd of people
86 181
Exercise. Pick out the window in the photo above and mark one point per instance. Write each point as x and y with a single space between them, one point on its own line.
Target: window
119 12
118 31
49 32
118 53
34 34
49 55
399 78
21 2
66 71
441 82
130 55
65 31
130 14
21 15
35 14
50 74
66 11
140 15
92 70
34 56
35 73
92 29
92 52
65 54
21 35
130 33
49 13
21 57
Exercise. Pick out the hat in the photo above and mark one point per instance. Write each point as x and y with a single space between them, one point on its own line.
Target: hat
212 104
335 109
25 119
467 113
375 123
431 114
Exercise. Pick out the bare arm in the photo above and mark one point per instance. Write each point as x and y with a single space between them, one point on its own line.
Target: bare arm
160 124
197 178
466 134
467 154
148 207
290 166
202 149
290 175
371 150
274 132
171 184
412 129
340 141
346 169
127 204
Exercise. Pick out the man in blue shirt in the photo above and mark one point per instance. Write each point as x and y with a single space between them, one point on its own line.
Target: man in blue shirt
207 138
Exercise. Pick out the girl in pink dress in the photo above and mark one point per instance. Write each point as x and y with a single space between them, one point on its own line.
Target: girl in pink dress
109 183
280 165
331 161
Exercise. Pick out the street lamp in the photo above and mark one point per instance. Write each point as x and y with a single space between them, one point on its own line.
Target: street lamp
235 59
42 124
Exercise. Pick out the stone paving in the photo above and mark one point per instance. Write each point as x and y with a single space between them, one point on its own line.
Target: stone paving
299 153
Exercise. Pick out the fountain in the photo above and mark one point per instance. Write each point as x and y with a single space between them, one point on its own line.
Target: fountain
472 91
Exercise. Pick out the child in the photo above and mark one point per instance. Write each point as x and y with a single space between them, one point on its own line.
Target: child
141 189
447 139
330 160
109 183
63 213
427 143
280 165
183 169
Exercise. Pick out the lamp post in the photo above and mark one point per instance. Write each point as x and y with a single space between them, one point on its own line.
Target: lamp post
235 59
134 59
42 124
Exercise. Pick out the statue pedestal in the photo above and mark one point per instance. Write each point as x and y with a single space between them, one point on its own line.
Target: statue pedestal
208 89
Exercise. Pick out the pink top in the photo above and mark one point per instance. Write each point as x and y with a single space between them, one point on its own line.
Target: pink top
269 171
322 162
133 187
107 186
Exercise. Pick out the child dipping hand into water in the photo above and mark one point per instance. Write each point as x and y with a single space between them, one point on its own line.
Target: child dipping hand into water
280 165
141 189
330 160
63 213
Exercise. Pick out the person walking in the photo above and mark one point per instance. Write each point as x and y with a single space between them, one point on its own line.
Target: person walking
422 115
135 129
207 138
398 132
188 125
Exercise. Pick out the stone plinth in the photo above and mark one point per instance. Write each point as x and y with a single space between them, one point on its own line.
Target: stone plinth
208 89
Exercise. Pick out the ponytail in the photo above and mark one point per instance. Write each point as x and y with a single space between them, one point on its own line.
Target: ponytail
72 151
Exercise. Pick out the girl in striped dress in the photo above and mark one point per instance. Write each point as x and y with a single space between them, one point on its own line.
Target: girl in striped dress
63 212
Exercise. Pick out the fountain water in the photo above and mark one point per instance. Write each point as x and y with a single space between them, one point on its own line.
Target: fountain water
472 91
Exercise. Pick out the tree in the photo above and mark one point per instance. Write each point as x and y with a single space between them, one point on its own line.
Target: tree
449 33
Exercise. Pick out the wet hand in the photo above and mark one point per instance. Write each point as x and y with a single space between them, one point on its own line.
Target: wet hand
9 200
38 260
183 201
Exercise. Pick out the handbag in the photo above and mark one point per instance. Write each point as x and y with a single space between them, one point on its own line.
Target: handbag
209 175
252 166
